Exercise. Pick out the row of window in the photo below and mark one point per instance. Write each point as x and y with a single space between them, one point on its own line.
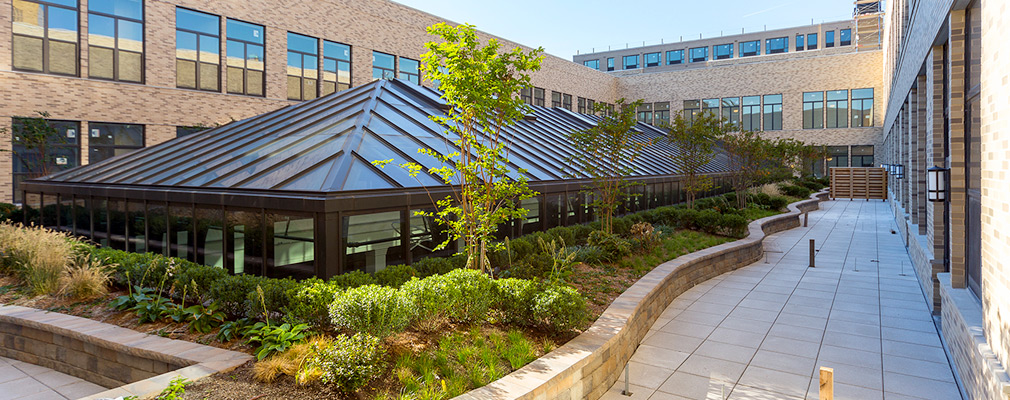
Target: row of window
535 96
45 37
747 111
725 51
831 109
63 150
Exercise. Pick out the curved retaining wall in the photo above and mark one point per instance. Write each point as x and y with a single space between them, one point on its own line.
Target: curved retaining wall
129 362
587 366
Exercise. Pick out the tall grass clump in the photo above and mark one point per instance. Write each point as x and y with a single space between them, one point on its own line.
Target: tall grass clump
87 277
36 255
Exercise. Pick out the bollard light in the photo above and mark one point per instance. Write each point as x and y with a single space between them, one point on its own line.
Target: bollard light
936 184
899 172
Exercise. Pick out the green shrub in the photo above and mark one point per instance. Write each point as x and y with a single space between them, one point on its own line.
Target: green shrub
686 219
395 275
580 234
614 248
777 203
515 300
559 307
795 191
349 363
621 226
432 266
232 292
429 296
275 297
562 234
733 225
759 198
708 221
269 339
309 302
374 309
477 292
535 265
810 184
204 276
353 279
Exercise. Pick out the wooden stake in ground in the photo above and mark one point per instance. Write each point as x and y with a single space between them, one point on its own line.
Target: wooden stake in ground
827 383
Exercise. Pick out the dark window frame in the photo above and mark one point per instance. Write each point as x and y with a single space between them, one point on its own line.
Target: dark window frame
115 49
833 111
539 96
245 58
800 42
46 39
845 37
596 64
337 62
610 64
658 59
757 48
400 73
861 115
829 39
777 45
691 54
810 113
92 145
722 56
811 41
391 71
198 61
15 159
670 61
750 113
566 101
772 113
624 61
302 78
555 99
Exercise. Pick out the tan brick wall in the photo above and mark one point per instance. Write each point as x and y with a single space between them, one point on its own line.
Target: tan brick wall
789 75
995 99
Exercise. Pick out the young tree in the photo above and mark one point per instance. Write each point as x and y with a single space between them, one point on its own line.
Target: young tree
695 141
607 153
481 85
748 154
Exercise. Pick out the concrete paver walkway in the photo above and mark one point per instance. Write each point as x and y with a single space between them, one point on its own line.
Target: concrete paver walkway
762 332
23 381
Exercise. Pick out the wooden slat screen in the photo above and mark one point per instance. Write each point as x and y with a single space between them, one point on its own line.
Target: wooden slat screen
858 183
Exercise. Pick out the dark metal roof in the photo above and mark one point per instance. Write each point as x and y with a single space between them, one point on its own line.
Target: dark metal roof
326 145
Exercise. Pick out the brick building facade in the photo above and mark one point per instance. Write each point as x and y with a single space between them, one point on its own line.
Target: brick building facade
946 78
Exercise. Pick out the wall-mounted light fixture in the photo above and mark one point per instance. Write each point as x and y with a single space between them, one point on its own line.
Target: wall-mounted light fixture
899 171
936 183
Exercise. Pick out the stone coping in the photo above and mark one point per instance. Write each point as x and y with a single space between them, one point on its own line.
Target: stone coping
588 365
982 375
139 364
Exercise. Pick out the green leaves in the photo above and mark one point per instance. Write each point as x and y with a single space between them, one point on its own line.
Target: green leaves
695 139
607 153
480 84
275 339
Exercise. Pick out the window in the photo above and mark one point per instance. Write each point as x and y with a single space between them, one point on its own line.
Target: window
799 42
645 113
751 113
610 64
246 61
691 109
773 112
751 48
777 45
336 67
538 96
652 60
813 110
829 39
838 109
710 106
591 106
197 50
116 40
582 105
109 140
45 36
699 54
526 95
631 62
811 41
723 51
303 66
383 65
862 156
845 37
410 70
181 131
674 57
661 113
862 108
594 64
838 156
566 101
555 99
61 151
731 110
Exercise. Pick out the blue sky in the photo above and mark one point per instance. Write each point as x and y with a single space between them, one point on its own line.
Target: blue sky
563 27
